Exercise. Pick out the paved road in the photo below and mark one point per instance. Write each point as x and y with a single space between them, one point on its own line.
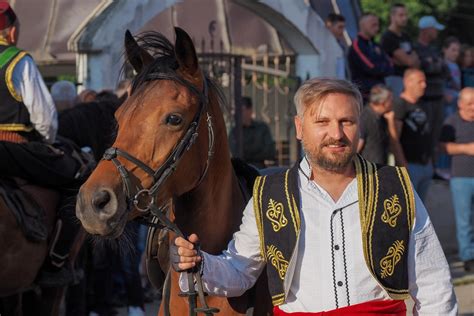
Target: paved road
441 212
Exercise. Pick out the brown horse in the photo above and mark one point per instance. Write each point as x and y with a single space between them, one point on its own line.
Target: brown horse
171 139
21 258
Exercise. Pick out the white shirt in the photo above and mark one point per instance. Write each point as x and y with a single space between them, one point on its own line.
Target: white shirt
325 278
29 84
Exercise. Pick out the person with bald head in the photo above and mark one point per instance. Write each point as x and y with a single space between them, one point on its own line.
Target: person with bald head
368 63
457 140
414 130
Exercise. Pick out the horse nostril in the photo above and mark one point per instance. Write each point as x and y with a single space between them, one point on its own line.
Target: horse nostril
101 199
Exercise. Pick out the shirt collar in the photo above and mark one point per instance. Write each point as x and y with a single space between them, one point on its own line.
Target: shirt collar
349 196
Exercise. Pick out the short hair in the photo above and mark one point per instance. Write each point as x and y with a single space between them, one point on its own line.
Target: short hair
450 40
63 91
396 6
366 14
246 102
410 71
334 18
316 89
379 94
464 92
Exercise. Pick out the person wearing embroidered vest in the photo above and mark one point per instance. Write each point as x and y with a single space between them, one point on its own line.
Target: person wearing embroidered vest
337 234
28 125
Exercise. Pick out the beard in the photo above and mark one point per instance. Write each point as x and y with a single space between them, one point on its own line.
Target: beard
334 162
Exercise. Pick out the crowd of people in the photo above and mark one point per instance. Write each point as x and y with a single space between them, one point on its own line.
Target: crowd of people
415 102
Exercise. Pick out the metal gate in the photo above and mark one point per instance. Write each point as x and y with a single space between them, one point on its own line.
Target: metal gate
270 81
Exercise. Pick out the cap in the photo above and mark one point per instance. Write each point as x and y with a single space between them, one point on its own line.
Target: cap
7 15
429 21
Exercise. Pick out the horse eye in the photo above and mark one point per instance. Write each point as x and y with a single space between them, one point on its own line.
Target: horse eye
173 119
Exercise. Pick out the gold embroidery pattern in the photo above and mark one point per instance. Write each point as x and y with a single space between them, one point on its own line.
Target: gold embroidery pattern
9 74
275 215
394 255
392 209
278 261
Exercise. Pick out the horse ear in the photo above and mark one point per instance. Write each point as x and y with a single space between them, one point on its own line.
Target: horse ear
185 52
137 56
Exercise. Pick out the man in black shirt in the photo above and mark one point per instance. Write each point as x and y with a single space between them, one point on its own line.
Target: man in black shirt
398 46
457 139
257 141
436 71
377 126
414 131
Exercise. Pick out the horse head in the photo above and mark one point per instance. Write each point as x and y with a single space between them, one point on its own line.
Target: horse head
158 128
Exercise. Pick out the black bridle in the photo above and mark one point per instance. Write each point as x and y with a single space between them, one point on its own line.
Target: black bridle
143 199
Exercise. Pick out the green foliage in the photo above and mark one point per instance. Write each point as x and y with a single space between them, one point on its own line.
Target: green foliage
440 9
71 78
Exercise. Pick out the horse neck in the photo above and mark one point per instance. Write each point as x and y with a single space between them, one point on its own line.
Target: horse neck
213 210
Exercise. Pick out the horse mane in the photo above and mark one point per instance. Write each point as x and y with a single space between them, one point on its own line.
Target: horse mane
163 52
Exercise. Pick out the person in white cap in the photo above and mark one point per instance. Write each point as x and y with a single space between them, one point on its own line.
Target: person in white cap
64 94
436 72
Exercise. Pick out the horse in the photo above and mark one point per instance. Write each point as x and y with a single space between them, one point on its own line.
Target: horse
171 139
22 257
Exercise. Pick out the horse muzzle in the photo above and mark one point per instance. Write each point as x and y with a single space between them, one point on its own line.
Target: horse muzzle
100 213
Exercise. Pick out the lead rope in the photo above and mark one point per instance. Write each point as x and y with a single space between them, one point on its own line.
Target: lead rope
191 294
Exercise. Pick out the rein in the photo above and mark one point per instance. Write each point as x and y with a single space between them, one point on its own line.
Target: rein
144 199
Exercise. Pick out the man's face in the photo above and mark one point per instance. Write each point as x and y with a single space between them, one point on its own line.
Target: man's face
369 26
247 114
451 53
329 132
400 17
415 84
466 104
388 104
432 33
337 29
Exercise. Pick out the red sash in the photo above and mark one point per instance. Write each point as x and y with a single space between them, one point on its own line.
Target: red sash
379 308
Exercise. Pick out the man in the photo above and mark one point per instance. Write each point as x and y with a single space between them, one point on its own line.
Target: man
378 128
398 46
321 229
257 142
368 62
64 95
436 72
28 125
336 24
457 139
414 131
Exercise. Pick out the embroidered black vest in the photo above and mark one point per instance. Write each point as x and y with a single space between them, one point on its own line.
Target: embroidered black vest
387 210
14 115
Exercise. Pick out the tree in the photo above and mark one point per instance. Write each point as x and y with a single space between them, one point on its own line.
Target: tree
442 10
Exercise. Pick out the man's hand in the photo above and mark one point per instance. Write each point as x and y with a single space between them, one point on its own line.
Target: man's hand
184 255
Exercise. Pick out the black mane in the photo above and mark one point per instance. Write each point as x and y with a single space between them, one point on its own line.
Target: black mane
162 50
158 46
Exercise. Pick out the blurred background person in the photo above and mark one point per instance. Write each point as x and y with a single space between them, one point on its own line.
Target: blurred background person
436 72
397 44
368 63
336 24
86 96
257 141
457 139
377 127
64 95
414 131
466 63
